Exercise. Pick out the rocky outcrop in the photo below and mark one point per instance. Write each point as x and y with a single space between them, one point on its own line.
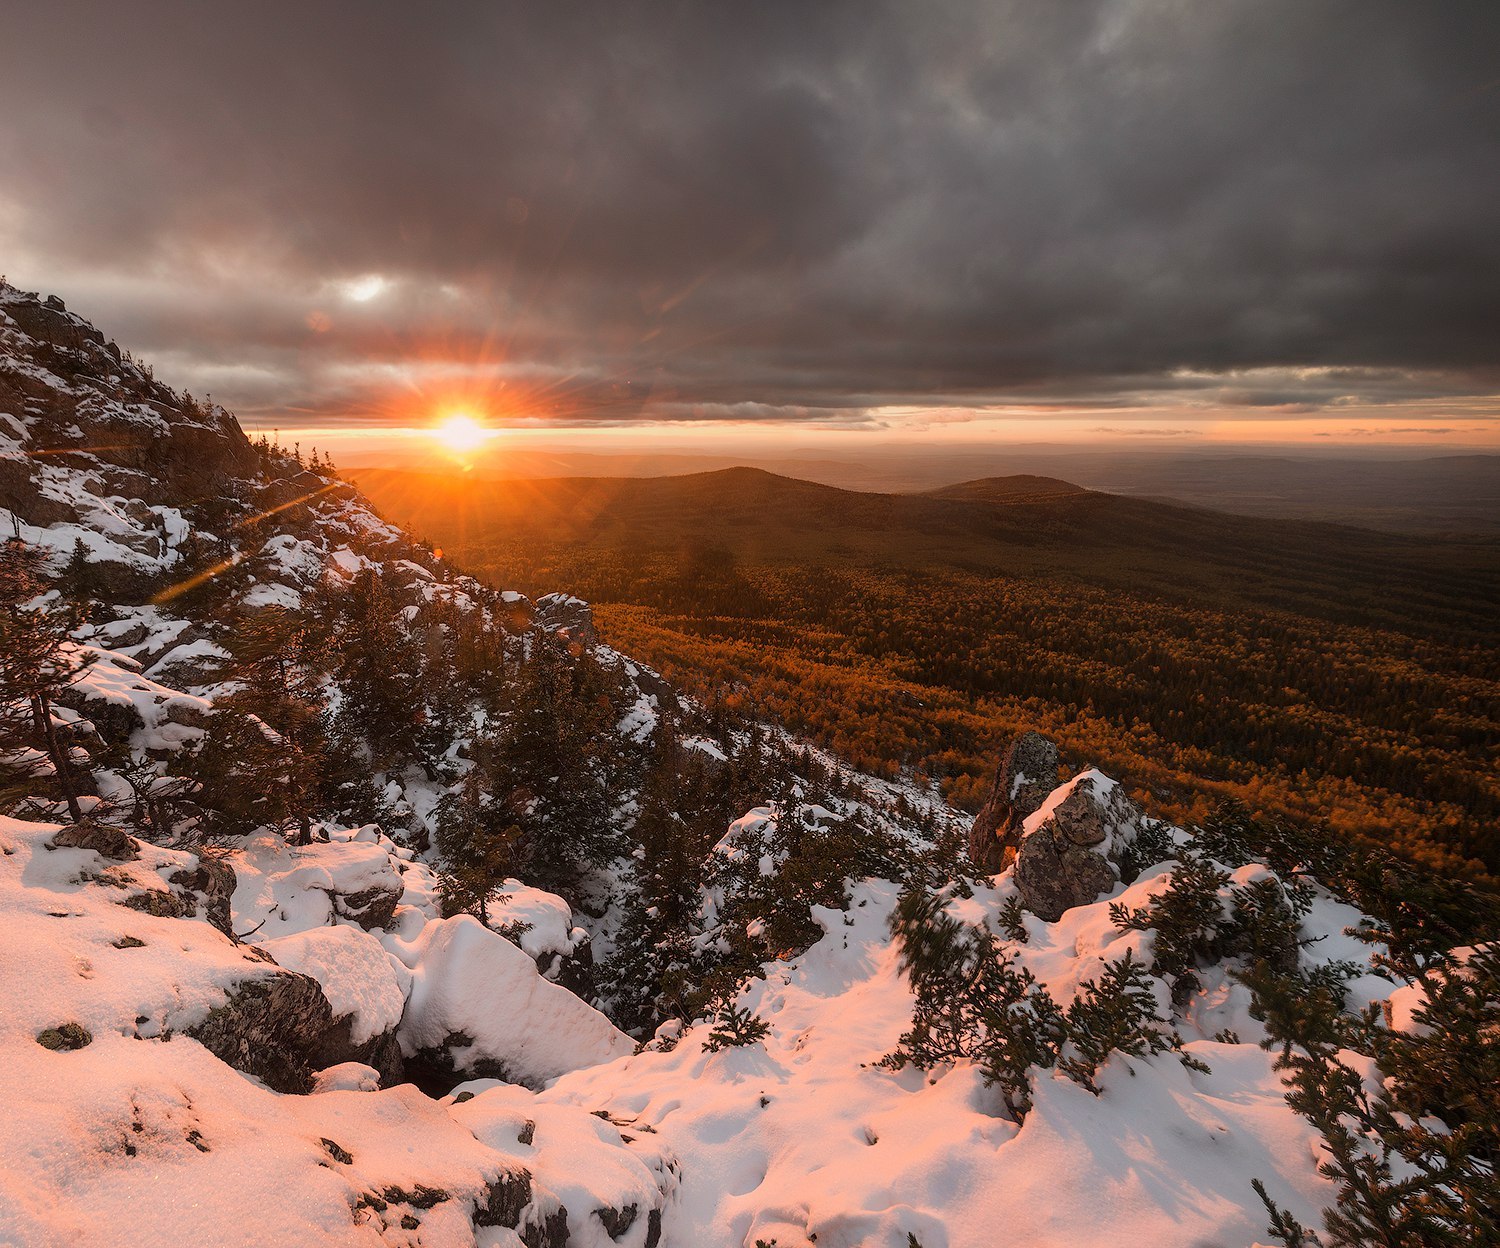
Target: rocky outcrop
109 408
1026 774
113 720
655 686
568 618
104 840
1072 847
270 1028
372 907
299 493
209 887
281 1029
49 321
19 493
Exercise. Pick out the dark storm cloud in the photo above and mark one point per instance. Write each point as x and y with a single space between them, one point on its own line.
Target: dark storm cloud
796 211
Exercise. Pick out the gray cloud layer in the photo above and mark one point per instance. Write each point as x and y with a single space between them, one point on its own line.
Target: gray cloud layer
772 208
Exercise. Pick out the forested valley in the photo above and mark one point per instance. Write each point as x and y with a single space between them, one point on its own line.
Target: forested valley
1309 671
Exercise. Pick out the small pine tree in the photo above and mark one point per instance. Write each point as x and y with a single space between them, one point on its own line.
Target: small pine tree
79 579
227 785
37 661
1116 1014
1401 1183
735 1027
379 674
281 664
1187 918
972 1001
478 844
1284 1226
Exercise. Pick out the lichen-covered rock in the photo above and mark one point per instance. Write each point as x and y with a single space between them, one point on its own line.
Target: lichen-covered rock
269 1028
1026 774
161 903
209 886
65 1038
372 907
106 841
1072 846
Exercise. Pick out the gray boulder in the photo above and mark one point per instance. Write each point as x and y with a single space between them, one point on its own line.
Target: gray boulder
1074 854
568 618
653 685
104 840
113 721
1026 774
371 908
269 1028
209 887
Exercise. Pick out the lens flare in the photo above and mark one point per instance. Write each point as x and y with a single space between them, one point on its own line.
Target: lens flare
461 433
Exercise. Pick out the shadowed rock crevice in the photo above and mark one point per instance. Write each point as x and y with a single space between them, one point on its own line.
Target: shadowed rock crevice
270 1028
1026 774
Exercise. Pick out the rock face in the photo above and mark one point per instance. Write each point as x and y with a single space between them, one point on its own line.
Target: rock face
509 1198
380 1053
94 400
212 883
569 618
1026 774
1073 844
106 841
371 908
269 1027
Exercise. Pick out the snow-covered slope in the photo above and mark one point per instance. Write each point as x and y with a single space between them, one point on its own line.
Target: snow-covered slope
122 1126
800 1138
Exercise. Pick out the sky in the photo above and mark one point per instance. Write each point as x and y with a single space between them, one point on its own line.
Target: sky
686 224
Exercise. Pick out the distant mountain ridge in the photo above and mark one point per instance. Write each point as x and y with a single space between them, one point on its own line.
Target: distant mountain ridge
1019 488
1020 524
1381 488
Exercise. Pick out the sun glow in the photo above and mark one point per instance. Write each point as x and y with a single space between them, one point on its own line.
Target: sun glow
461 433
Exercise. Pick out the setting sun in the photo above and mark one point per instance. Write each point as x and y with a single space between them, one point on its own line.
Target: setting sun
461 433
